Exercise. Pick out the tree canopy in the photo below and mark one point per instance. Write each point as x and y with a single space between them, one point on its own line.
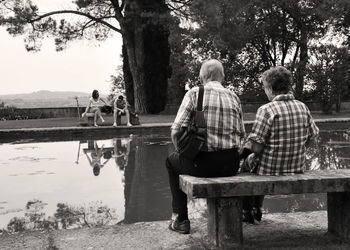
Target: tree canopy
142 24
248 36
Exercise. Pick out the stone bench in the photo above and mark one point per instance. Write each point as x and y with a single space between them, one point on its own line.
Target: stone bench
225 206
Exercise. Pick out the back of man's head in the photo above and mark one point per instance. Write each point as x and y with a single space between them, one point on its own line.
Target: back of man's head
211 70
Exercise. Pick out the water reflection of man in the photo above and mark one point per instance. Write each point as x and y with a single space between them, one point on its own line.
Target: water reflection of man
95 159
122 150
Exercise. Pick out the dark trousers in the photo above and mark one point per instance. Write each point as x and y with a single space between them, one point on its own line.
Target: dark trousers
251 202
206 164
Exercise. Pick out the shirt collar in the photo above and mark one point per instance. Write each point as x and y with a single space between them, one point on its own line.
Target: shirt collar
284 97
214 83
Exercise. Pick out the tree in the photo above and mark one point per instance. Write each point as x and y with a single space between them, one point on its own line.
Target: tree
142 24
274 32
330 73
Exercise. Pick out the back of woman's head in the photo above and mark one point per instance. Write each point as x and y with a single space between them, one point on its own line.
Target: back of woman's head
279 78
95 94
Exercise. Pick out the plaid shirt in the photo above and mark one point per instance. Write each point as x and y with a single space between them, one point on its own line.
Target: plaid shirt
222 113
283 126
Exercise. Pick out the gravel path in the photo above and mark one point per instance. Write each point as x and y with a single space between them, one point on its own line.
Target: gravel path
277 231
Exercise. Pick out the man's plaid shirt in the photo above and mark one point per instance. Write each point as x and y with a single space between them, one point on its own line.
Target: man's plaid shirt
283 126
222 113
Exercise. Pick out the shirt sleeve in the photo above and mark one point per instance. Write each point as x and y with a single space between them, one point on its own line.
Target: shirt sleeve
261 127
184 113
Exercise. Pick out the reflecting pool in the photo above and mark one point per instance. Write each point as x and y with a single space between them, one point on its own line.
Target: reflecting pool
57 184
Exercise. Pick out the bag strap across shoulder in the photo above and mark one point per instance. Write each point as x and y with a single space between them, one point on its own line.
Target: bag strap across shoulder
200 98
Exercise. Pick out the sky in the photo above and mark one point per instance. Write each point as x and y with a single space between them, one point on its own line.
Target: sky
83 66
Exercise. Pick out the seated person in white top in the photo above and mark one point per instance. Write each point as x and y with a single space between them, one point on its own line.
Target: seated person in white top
94 106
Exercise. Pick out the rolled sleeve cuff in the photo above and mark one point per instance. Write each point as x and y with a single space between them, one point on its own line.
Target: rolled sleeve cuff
256 138
178 126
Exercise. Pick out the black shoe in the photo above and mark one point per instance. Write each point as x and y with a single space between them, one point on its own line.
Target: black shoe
182 227
249 217
257 213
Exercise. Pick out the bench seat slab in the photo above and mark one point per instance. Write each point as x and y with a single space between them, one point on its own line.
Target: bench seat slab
338 206
225 222
322 181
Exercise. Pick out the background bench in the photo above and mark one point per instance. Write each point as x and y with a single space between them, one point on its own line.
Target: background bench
225 206
90 118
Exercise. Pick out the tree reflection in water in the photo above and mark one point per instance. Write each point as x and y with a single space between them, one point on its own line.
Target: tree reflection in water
66 216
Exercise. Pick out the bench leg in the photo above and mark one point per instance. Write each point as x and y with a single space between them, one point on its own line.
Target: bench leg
225 221
90 121
338 206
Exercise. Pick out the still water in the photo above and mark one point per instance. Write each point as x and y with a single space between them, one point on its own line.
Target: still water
53 184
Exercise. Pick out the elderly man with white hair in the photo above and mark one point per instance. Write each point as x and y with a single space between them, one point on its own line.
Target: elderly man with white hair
225 130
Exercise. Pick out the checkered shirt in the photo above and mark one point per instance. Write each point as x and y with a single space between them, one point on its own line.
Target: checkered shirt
222 113
283 126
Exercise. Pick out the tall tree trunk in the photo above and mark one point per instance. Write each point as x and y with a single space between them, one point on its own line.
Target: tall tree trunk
128 81
301 68
145 36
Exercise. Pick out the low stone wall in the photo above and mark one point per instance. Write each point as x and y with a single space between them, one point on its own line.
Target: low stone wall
170 109
54 112
253 107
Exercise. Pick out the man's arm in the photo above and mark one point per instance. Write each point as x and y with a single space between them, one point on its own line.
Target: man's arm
182 118
175 135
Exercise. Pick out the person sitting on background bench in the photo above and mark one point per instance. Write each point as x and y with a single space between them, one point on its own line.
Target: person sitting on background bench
281 131
120 108
94 106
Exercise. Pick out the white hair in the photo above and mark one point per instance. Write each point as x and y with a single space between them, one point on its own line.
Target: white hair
211 70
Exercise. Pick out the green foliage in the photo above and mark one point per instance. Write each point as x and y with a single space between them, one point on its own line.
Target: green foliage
16 225
117 84
13 113
180 61
66 216
330 74
251 36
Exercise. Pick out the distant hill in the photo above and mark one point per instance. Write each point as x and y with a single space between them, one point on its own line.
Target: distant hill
44 94
45 98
